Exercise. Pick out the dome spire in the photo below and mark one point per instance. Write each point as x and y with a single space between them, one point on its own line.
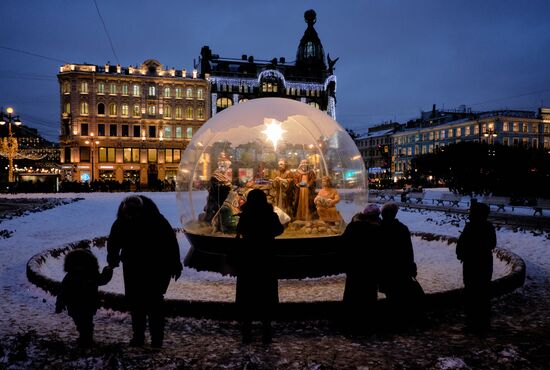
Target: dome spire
310 55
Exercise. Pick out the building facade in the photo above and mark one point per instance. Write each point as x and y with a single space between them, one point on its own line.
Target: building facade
309 79
505 127
376 148
128 123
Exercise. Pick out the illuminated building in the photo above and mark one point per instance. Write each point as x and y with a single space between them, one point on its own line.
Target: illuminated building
128 123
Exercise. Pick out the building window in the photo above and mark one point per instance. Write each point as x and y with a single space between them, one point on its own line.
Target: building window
152 91
505 127
516 127
168 132
136 111
151 155
167 92
167 111
84 154
101 129
152 109
152 131
178 113
535 128
200 94
101 109
124 89
67 155
66 89
83 108
112 109
179 132
476 130
525 128
124 110
84 87
200 113
222 103
101 88
172 155
506 141
179 93
137 131
535 143
189 113
515 141
67 108
189 132
112 89
547 128
125 131
450 133
189 93
130 155
106 154
314 104
112 130
84 129
136 91
467 131
458 131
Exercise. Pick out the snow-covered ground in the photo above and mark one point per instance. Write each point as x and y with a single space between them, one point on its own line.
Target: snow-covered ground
24 307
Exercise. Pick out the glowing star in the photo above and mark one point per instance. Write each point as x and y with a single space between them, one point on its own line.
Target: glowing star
274 132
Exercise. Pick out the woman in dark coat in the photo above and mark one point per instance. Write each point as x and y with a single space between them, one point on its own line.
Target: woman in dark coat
147 246
361 258
475 250
257 287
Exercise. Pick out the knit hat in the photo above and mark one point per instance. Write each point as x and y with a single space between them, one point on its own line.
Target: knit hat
371 210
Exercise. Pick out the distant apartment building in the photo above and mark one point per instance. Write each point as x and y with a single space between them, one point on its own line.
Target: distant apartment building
376 147
128 123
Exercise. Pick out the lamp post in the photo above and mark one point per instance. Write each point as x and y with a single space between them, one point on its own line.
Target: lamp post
93 143
9 144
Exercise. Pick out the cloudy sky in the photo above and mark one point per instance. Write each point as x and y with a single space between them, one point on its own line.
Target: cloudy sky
397 57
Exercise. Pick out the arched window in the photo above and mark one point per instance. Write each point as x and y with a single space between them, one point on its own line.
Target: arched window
125 110
200 94
136 91
101 88
189 93
222 103
112 109
112 89
167 92
136 111
152 91
167 111
83 108
178 112
200 113
101 109
189 113
84 87
152 109
179 93
314 104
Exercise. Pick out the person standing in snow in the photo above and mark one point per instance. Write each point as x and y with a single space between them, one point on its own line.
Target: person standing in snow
79 291
398 269
362 239
257 286
474 249
147 246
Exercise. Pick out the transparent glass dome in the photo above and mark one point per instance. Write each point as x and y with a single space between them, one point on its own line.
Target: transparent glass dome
248 145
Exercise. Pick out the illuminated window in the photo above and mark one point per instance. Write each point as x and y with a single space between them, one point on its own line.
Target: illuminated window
179 132
200 113
125 110
167 132
151 155
467 131
101 88
136 111
314 104
67 108
189 113
222 103
152 91
458 131
112 109
189 132
515 127
84 87
112 88
309 50
83 108
535 128
178 112
179 93
136 90
106 154
476 130
152 109
505 127
172 155
167 92
200 94
167 111
450 133
66 87
131 155
525 128
189 93
124 89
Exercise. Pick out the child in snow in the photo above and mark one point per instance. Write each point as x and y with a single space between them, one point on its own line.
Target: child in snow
79 291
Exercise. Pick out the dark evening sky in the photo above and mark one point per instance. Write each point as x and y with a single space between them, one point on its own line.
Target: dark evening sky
397 57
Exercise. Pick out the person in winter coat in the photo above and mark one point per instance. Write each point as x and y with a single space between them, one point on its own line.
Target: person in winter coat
474 249
143 240
79 291
398 268
361 238
257 286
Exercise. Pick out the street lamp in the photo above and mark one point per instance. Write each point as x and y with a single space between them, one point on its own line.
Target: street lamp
9 144
93 143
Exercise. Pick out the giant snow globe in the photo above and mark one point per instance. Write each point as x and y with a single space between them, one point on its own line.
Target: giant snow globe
305 162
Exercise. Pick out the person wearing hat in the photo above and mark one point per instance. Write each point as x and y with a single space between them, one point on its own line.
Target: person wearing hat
362 238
